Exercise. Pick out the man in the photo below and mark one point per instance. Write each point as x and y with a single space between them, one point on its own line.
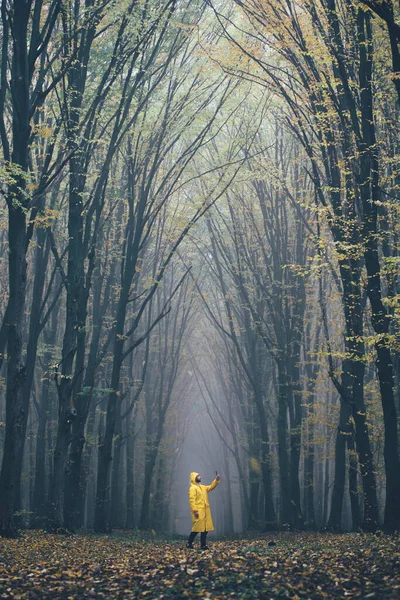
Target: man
200 509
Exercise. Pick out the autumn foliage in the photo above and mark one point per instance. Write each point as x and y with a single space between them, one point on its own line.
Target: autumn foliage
286 566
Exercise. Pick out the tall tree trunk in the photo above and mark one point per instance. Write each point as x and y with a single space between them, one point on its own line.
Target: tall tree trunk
73 325
295 391
253 522
35 327
253 434
101 523
88 470
16 408
229 519
159 505
130 476
150 461
40 482
132 249
269 511
297 519
353 386
353 484
326 488
76 474
309 460
77 285
370 196
116 514
343 430
285 513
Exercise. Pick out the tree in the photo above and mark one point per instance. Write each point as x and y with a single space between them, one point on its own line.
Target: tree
386 11
156 160
166 359
82 110
311 97
28 58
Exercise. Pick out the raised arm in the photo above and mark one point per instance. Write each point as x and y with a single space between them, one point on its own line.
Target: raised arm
214 484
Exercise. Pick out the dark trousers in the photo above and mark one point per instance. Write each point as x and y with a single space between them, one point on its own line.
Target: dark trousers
203 538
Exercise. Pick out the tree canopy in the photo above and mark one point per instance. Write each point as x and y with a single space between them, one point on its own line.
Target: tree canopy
199 261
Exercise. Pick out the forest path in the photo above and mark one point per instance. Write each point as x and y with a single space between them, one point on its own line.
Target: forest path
122 565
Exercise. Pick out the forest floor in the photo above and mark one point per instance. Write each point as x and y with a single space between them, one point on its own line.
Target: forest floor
124 565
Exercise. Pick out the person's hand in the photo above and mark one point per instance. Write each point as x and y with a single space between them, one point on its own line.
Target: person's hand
196 514
217 477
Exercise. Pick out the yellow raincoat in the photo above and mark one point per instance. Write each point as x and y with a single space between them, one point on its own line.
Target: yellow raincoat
198 500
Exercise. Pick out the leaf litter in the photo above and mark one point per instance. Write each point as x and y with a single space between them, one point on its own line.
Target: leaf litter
299 566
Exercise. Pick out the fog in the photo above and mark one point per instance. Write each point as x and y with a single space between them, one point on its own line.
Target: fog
199 267
203 452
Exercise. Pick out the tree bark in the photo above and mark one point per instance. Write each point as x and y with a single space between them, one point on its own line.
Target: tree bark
16 408
116 514
41 480
285 513
353 482
343 430
309 461
369 192
130 477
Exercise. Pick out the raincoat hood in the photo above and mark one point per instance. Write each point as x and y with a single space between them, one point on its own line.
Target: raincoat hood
193 476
